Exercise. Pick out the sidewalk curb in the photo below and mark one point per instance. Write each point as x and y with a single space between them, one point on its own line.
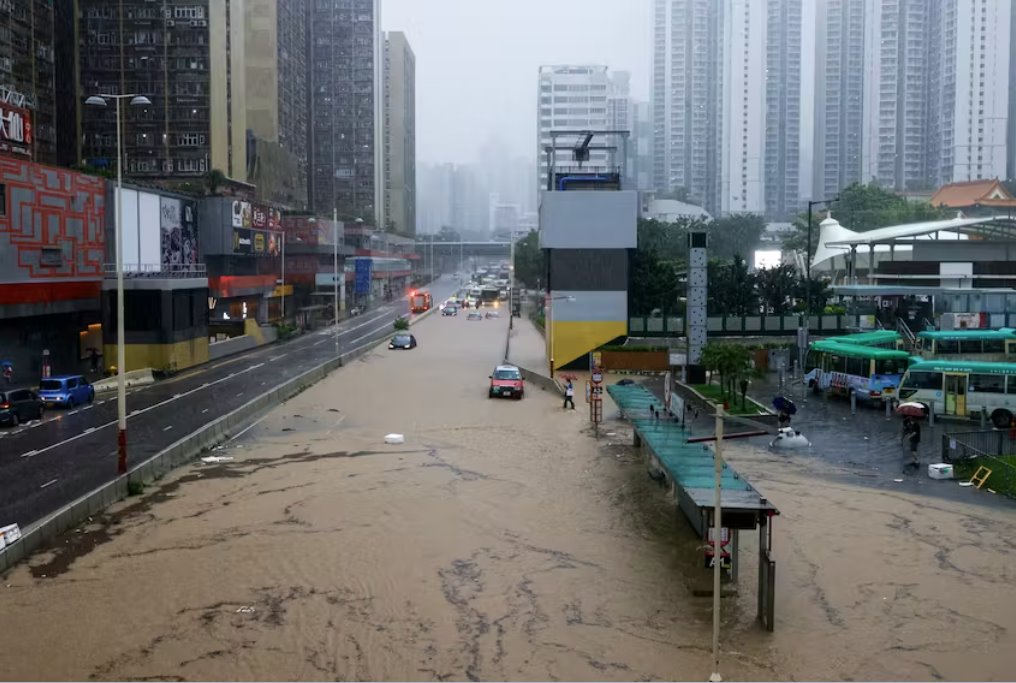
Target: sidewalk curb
179 453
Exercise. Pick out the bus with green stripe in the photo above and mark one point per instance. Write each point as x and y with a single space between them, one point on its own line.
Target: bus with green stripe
963 388
980 345
882 339
872 372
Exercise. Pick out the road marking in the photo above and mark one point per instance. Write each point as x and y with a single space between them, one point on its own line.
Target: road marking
167 428
204 411
317 343
49 483
99 403
89 430
177 395
249 427
73 412
89 407
138 412
239 394
29 454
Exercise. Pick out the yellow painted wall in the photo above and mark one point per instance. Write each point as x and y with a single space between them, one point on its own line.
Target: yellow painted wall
568 341
160 356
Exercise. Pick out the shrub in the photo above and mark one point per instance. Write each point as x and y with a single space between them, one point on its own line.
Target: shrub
400 324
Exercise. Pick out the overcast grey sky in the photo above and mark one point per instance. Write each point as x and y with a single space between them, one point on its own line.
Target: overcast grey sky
477 62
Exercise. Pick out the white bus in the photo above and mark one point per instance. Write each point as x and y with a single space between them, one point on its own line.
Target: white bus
963 388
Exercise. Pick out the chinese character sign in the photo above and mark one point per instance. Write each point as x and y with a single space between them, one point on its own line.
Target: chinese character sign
15 130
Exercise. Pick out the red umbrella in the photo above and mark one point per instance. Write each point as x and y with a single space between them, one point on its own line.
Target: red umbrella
912 409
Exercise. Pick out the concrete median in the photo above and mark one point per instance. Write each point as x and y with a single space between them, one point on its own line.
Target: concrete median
180 452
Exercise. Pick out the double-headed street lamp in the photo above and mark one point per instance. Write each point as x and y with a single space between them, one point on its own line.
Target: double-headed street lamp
121 378
807 255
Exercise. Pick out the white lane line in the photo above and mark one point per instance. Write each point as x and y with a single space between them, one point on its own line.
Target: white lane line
89 407
204 411
251 426
29 454
275 358
73 412
318 343
167 428
138 412
177 395
99 403
239 394
49 483
89 430
39 423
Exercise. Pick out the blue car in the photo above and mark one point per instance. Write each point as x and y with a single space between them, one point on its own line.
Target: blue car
66 391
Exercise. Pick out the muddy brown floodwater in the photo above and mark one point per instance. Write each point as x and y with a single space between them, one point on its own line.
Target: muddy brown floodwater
501 541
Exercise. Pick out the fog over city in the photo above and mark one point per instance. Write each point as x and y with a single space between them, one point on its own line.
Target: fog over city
477 63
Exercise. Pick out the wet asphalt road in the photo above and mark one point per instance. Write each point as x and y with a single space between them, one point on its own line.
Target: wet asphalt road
45 465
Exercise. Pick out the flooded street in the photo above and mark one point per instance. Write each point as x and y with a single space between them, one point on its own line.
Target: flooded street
500 541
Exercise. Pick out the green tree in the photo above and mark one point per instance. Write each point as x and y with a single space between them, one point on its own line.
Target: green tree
731 288
729 362
654 283
861 208
214 180
530 261
735 235
776 288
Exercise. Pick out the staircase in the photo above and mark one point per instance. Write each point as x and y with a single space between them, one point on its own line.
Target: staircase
909 338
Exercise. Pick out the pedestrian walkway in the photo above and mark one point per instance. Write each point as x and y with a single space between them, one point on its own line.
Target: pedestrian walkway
527 348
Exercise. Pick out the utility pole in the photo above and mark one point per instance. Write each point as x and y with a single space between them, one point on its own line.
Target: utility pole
335 272
717 542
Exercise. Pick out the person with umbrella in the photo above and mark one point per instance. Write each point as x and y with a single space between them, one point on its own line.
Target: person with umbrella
786 408
911 413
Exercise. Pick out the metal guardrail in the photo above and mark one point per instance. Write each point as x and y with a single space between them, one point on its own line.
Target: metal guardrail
750 325
987 447
156 270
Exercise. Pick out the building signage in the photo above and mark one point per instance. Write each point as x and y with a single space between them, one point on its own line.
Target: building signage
258 216
362 275
179 233
256 242
15 130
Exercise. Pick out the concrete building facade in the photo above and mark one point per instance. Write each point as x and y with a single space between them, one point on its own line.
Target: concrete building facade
28 80
275 68
344 89
839 95
187 57
571 97
400 134
687 83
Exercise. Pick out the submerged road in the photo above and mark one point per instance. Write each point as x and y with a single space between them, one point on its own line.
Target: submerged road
45 465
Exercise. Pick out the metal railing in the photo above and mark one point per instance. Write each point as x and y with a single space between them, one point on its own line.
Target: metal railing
994 449
156 270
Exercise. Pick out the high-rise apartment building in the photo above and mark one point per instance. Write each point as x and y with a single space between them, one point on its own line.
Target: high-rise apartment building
896 93
687 84
969 77
570 98
187 57
839 95
400 134
744 116
789 106
28 80
640 144
345 86
275 64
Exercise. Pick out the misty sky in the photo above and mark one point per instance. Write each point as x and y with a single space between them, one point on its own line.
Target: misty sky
477 62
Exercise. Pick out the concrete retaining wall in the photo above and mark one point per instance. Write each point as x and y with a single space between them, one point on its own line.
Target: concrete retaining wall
132 378
179 453
228 347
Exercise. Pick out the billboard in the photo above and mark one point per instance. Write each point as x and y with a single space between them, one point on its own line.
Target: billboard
257 216
178 229
362 275
247 242
15 130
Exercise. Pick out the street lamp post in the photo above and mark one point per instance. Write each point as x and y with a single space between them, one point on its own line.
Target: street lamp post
549 319
121 378
335 273
802 337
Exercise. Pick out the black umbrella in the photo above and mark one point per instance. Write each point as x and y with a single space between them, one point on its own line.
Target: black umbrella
785 405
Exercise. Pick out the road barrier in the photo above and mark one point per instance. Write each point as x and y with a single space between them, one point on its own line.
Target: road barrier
131 378
183 451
